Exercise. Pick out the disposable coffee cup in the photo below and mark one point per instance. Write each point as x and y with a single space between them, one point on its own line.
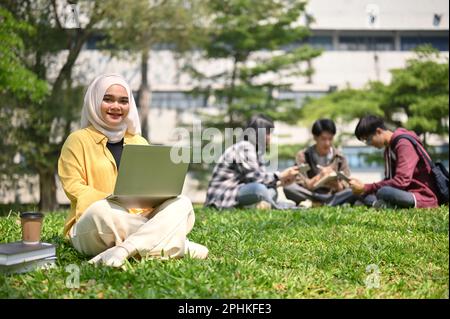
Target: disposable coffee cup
31 227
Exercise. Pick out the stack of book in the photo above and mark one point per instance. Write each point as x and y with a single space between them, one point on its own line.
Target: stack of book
19 258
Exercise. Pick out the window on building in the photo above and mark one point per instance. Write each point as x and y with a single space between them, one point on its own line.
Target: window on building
92 42
176 100
318 42
365 43
299 97
410 42
321 42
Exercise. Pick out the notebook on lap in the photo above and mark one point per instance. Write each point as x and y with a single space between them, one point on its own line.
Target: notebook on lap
148 176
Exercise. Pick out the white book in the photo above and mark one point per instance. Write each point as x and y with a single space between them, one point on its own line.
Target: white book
19 268
324 180
17 252
333 176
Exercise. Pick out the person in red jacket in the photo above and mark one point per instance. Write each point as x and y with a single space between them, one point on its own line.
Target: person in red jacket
408 181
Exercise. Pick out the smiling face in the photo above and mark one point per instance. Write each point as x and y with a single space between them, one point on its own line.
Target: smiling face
115 105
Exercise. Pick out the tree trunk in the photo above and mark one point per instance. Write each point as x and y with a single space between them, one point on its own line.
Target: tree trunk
309 78
230 95
424 140
47 182
144 95
47 187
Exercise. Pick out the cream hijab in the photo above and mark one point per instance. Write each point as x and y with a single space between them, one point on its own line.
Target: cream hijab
91 113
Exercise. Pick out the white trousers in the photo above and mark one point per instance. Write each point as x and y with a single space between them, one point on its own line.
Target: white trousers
105 224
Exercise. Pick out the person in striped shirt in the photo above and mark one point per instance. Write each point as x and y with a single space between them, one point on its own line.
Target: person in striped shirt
240 178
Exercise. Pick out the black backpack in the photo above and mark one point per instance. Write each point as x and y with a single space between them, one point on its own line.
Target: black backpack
438 170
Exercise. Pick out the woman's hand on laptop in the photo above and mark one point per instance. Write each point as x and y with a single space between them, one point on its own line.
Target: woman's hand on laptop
148 211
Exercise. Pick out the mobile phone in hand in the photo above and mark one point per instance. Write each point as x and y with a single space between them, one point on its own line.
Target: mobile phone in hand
341 175
303 168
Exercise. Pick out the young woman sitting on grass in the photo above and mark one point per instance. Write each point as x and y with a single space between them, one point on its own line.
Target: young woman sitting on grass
88 167
408 181
240 177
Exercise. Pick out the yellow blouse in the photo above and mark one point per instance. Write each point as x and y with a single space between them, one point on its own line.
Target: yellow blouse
88 170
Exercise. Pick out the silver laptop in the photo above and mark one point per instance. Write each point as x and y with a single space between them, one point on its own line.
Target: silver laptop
147 176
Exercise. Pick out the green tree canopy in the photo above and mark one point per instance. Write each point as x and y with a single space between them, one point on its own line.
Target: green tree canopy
240 28
176 24
43 121
38 43
19 87
419 91
15 79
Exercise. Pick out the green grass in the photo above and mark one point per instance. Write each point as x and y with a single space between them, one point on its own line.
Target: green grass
316 253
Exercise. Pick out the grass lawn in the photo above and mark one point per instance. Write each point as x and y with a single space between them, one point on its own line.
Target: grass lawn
315 253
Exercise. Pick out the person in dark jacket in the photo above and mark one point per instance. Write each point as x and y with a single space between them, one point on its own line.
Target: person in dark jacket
408 181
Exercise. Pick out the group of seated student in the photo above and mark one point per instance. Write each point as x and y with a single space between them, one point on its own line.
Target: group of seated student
240 178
